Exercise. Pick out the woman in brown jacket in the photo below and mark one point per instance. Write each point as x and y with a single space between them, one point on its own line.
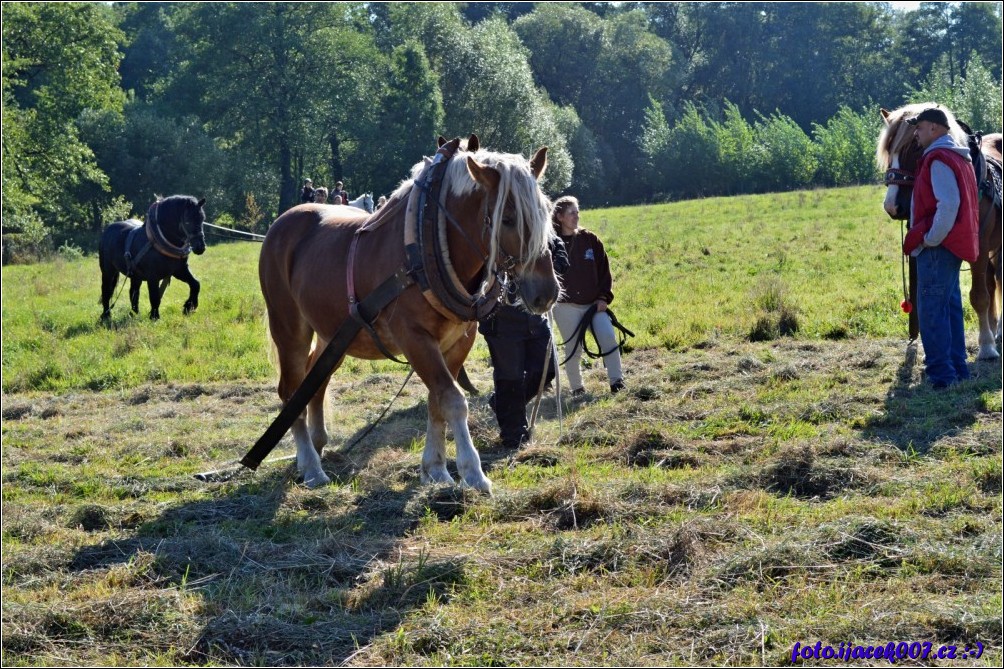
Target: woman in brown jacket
585 283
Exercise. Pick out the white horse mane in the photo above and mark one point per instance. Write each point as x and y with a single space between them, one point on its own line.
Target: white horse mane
531 207
897 133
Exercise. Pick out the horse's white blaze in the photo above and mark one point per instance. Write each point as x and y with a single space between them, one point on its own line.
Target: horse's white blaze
892 191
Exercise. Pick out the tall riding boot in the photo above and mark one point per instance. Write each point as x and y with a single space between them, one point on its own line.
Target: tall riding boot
510 411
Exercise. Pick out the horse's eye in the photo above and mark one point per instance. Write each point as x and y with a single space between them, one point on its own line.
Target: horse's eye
507 221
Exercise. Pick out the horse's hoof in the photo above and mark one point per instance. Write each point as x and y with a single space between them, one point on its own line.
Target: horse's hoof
316 480
189 308
437 475
479 482
988 353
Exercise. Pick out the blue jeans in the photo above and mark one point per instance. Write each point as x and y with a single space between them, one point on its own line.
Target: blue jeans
939 312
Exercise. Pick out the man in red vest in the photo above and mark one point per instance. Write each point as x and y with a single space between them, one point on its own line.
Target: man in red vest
943 232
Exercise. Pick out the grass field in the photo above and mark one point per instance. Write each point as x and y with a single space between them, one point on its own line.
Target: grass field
749 492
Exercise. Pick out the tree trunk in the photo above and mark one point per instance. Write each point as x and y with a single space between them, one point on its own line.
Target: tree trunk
288 186
336 159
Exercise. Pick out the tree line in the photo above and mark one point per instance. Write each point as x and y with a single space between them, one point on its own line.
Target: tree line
107 105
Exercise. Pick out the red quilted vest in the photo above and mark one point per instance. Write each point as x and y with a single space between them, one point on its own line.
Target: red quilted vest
963 239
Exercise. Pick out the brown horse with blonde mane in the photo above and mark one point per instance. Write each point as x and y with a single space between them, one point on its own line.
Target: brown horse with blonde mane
317 261
899 154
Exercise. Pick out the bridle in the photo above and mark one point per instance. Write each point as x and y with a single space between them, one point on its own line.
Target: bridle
900 177
156 236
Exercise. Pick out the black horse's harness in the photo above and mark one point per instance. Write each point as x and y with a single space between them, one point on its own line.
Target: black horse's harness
425 248
155 239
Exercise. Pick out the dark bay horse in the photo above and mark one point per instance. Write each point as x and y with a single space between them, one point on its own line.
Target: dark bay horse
153 250
899 154
497 220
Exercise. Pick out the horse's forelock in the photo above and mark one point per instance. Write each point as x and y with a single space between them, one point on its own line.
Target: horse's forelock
516 185
897 133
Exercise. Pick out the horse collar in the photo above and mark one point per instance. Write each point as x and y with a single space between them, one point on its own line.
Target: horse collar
156 236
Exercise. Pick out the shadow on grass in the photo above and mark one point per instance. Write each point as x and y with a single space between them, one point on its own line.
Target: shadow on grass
288 576
916 415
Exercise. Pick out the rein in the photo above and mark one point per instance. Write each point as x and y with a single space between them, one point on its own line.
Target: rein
579 336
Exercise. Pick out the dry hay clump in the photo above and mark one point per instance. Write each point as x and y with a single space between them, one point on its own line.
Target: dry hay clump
560 505
796 471
662 556
652 448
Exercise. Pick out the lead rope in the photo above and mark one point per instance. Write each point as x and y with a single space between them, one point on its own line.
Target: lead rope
905 305
222 475
552 351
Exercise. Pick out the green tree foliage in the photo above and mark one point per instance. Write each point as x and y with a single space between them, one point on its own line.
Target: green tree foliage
240 101
485 65
146 154
259 93
412 114
974 98
784 156
846 147
59 60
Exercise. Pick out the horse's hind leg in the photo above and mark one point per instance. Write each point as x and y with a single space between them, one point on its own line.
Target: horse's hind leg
292 337
134 286
984 299
109 279
315 408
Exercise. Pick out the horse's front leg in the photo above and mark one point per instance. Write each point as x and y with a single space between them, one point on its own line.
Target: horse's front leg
468 459
983 302
185 274
447 405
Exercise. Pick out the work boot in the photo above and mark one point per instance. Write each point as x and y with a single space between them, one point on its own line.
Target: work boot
510 412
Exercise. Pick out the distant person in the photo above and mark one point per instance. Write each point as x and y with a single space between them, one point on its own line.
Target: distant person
585 284
381 201
340 190
307 194
337 200
520 347
944 231
321 195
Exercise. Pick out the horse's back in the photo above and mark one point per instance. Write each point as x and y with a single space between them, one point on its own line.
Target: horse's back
112 245
304 253
992 146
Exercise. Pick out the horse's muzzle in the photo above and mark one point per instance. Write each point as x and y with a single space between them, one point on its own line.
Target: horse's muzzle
539 295
199 245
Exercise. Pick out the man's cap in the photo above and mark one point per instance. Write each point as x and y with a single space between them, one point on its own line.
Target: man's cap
932 114
307 181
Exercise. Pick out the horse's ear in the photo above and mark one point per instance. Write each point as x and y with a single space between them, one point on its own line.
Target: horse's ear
473 143
539 162
483 174
440 141
201 202
964 126
885 114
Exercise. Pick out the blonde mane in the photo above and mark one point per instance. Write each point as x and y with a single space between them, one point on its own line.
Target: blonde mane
516 184
897 134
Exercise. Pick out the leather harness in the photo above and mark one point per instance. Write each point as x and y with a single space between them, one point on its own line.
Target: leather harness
154 239
425 249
